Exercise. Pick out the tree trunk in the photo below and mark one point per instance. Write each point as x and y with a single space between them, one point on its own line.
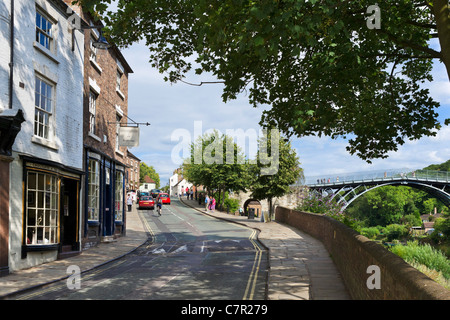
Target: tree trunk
441 12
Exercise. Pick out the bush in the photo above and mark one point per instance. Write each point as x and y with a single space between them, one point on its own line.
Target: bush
396 232
233 204
371 233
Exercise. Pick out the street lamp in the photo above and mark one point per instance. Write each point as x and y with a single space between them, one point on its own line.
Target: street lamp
101 43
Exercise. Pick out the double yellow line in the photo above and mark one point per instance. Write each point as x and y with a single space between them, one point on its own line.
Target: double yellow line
251 284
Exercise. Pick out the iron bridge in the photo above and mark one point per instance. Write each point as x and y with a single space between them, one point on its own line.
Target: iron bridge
349 187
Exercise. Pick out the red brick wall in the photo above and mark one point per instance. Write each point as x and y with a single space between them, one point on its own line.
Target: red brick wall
4 216
353 254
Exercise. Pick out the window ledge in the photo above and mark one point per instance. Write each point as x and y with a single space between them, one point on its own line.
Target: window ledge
120 94
95 65
93 136
44 142
45 51
119 153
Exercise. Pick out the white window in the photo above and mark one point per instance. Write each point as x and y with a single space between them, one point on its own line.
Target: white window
118 197
43 98
118 118
44 30
42 209
93 190
119 76
93 50
92 107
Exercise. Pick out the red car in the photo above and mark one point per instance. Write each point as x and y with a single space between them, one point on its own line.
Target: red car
165 198
146 202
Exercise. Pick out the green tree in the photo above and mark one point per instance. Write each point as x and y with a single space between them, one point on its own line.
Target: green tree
217 163
319 64
274 178
146 170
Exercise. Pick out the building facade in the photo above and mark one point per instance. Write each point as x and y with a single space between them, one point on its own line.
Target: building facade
41 87
133 172
105 97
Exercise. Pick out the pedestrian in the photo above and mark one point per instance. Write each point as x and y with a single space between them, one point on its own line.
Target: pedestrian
213 204
129 202
207 202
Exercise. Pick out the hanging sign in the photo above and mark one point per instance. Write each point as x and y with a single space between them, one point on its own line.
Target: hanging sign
129 137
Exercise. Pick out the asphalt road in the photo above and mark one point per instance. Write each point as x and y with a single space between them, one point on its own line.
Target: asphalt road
189 256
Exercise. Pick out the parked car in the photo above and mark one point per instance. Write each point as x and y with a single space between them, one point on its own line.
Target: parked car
154 193
141 194
165 198
146 202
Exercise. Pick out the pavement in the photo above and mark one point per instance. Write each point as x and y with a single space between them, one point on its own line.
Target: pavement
300 266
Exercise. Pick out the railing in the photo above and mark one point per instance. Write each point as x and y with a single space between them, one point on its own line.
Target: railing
381 175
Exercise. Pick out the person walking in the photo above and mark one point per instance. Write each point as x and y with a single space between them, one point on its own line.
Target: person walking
129 202
207 202
213 204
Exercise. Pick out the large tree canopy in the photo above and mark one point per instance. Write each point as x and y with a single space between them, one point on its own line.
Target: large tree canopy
316 63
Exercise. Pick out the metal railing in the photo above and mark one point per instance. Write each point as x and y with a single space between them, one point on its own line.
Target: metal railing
381 175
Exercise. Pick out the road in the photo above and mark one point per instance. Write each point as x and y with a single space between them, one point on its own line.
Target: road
188 256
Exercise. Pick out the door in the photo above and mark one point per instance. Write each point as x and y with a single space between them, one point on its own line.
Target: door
69 213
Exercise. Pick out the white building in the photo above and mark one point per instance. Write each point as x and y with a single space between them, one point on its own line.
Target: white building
45 169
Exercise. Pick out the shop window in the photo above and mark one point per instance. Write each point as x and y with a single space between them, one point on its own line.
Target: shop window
42 209
119 197
93 190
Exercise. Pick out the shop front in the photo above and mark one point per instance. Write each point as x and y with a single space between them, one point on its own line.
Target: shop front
51 208
104 200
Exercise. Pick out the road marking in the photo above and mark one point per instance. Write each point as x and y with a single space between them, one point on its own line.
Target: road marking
251 285
57 287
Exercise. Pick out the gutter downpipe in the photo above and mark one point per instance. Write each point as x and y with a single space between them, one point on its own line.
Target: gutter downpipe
11 59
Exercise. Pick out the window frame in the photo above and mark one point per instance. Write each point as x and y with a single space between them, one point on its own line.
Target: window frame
47 111
49 211
93 185
47 35
93 96
119 196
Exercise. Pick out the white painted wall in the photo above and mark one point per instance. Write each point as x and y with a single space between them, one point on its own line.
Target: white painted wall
62 66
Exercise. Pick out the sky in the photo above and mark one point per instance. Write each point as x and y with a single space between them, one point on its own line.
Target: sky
175 108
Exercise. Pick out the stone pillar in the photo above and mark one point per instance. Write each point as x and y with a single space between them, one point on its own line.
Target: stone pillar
4 214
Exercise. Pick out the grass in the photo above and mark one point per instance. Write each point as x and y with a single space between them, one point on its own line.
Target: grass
426 259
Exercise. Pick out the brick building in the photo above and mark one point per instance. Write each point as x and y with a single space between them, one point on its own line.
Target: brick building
133 171
105 111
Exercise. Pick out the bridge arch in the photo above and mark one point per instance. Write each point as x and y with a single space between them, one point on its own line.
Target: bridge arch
348 194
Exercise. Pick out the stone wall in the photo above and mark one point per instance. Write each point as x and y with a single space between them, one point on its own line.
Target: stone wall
290 200
353 254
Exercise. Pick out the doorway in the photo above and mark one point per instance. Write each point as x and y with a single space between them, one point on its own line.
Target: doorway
69 215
